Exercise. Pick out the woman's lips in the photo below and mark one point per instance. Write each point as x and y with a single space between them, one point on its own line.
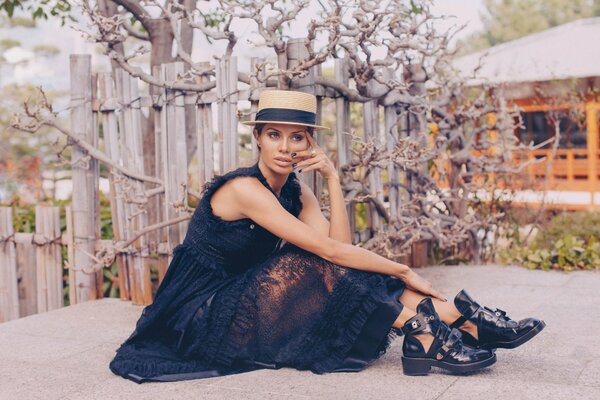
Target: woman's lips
283 161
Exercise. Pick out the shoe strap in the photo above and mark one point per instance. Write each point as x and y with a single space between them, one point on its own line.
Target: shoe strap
498 313
473 310
417 324
458 323
452 340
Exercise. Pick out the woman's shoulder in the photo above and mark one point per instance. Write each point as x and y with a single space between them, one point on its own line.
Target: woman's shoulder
219 180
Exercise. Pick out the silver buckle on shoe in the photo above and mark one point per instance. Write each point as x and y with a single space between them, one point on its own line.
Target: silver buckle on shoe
440 355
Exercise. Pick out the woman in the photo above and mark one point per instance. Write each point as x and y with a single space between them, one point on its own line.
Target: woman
234 300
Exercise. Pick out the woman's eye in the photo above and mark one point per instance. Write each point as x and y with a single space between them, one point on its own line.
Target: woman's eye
298 138
273 134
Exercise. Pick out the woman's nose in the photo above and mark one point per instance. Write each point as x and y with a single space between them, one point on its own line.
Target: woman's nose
284 145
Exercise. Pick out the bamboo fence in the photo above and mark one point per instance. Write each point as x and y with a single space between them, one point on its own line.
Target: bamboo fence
108 114
31 267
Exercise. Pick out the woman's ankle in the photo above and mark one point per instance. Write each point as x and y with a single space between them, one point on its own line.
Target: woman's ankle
471 328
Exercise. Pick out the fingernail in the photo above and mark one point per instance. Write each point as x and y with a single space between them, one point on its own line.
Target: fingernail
294 165
300 171
445 299
293 154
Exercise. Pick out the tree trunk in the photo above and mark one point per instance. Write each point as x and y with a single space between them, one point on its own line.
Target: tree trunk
187 43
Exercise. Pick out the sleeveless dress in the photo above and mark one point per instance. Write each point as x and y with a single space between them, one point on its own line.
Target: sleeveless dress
234 300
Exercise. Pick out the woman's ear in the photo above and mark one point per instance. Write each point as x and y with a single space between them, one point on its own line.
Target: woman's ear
256 135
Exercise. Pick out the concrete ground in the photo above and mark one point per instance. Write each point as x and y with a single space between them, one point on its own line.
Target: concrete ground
64 354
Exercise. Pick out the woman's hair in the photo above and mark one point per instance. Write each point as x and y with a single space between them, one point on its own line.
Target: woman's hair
259 127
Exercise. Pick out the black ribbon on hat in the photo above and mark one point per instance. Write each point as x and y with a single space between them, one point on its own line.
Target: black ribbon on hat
286 115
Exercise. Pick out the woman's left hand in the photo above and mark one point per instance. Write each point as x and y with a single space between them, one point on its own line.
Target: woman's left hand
314 158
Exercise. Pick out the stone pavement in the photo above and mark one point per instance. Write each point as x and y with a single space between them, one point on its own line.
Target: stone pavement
64 354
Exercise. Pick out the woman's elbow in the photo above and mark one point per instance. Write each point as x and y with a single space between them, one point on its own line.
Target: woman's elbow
332 250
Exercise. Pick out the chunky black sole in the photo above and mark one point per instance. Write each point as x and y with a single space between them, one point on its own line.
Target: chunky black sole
421 366
517 342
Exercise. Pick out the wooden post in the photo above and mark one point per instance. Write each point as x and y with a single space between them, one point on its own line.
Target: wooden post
318 179
133 159
391 138
70 240
125 128
591 113
342 128
296 53
371 127
570 160
206 140
227 113
9 296
162 234
49 260
107 106
256 87
415 76
26 273
96 143
173 153
85 177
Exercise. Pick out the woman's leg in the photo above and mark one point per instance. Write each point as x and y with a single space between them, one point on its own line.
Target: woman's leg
446 310
407 313
428 341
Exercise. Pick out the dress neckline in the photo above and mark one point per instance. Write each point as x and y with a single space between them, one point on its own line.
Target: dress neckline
264 181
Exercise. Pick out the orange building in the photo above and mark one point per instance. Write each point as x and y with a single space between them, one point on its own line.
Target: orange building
554 77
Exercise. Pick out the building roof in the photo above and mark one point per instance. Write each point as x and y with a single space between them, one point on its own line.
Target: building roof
567 51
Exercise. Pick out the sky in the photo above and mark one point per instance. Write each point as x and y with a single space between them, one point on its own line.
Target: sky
52 73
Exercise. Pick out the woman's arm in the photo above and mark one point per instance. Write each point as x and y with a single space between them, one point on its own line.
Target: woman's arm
259 204
338 227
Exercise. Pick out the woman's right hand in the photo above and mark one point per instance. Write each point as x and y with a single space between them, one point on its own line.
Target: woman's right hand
419 284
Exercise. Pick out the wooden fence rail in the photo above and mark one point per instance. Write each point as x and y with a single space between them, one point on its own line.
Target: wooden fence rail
31 268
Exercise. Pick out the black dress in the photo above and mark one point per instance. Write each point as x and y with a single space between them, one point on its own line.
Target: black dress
234 300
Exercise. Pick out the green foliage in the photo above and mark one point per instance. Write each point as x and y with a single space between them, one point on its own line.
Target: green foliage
23 217
567 254
506 20
568 242
39 9
46 50
23 22
582 225
360 216
7 43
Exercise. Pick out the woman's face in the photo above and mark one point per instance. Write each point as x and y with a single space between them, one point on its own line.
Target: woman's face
278 141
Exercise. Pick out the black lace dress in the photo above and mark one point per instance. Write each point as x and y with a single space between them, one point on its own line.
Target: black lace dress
234 300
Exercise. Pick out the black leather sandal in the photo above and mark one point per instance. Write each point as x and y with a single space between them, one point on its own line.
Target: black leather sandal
447 350
495 329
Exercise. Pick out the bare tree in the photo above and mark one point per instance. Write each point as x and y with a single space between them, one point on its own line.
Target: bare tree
453 142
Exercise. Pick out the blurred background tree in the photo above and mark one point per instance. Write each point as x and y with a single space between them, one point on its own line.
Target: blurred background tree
506 20
25 157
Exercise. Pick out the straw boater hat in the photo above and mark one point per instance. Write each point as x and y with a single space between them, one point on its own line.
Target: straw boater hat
286 107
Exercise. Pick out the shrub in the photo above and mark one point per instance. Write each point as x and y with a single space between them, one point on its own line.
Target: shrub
568 242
